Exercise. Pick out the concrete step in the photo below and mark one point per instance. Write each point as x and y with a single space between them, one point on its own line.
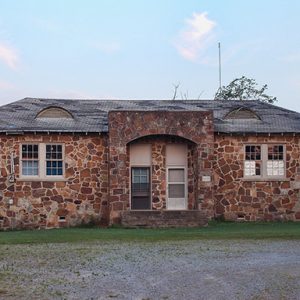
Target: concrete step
163 218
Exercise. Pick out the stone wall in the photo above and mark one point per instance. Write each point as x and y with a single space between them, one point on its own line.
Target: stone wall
80 198
127 126
96 183
254 200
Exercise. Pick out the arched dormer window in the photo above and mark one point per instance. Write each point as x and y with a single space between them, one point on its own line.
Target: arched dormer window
241 113
54 112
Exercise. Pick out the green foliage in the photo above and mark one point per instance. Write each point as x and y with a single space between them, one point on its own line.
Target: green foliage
244 89
215 230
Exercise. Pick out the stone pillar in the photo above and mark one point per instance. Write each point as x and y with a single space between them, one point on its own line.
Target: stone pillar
158 174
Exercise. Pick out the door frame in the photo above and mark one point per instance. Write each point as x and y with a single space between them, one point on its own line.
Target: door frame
150 185
185 186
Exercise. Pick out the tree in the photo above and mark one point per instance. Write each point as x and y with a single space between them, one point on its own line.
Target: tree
244 89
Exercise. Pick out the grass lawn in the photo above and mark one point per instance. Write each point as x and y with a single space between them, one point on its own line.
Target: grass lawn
215 230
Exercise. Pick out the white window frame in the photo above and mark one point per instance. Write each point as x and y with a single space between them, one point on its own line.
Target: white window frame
141 165
150 185
21 161
42 163
264 160
184 168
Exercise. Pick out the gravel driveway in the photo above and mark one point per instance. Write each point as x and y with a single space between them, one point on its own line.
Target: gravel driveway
163 270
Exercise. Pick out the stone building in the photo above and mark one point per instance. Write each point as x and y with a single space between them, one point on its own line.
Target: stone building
146 163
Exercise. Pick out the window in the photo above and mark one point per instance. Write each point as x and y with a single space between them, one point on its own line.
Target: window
264 161
140 188
176 183
252 160
42 161
241 113
176 162
30 160
176 188
54 162
275 163
54 112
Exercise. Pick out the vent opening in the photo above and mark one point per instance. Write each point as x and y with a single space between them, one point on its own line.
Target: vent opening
62 219
54 112
241 113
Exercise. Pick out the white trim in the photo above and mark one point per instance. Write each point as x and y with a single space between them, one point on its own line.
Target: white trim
184 168
41 163
264 159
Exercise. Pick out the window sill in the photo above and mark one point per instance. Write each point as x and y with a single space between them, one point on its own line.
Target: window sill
42 179
266 179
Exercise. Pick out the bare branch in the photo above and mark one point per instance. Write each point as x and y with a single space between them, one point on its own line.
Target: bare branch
176 86
199 96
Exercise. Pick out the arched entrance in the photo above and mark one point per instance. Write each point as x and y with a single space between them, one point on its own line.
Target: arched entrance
163 173
180 153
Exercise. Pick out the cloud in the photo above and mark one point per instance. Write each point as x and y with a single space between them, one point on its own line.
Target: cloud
195 37
9 56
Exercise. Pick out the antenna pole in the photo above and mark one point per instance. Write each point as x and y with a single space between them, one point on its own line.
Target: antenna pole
220 76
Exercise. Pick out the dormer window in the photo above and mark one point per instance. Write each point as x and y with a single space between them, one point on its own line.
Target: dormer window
54 112
241 113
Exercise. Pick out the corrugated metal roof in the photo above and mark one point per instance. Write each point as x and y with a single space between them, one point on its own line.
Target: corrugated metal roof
92 115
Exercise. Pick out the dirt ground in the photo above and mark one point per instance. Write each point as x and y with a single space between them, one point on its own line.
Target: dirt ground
164 270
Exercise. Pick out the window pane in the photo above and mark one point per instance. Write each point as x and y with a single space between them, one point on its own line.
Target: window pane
143 171
275 163
275 168
253 152
30 168
136 179
176 175
176 191
144 179
54 163
249 168
54 168
257 168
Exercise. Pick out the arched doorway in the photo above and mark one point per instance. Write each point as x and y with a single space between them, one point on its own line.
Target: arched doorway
162 173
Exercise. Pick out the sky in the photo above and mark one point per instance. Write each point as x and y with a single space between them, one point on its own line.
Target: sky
141 49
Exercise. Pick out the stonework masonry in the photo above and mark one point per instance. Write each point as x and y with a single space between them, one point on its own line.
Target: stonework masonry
80 198
254 200
96 183
129 126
